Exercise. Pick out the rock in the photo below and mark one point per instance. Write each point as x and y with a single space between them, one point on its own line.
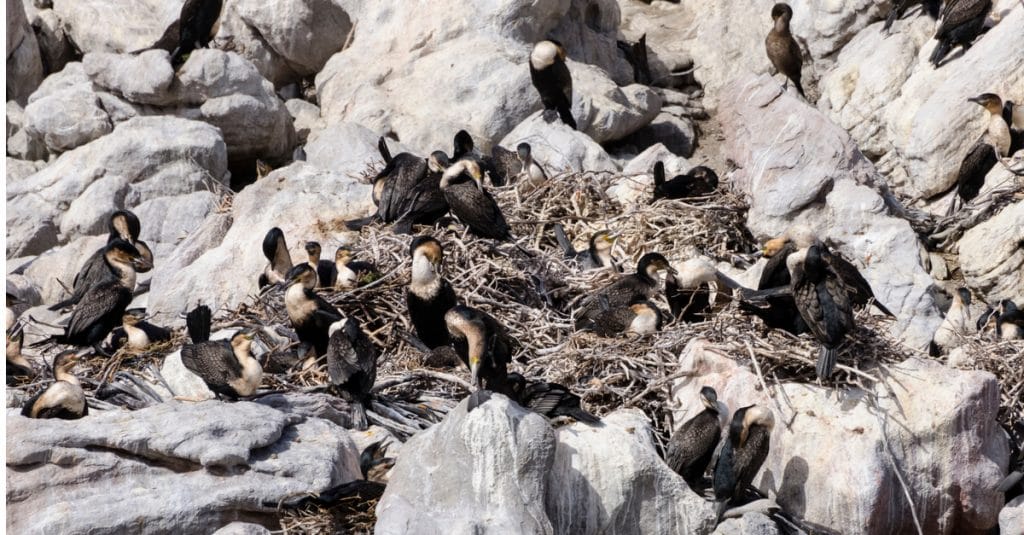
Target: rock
142 79
67 119
669 128
306 116
242 528
610 479
292 198
810 171
24 66
172 219
19 169
102 26
287 41
748 524
947 445
139 151
20 144
594 41
485 470
314 405
348 146
220 462
55 47
637 181
1011 518
558 148
607 112
182 381
991 257
60 265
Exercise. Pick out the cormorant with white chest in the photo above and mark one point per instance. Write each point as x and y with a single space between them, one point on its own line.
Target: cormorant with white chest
429 296
551 77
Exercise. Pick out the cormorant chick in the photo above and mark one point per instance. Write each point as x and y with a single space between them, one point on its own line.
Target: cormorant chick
639 318
462 185
954 327
197 26
822 301
992 145
550 75
698 182
136 333
532 175
351 361
689 290
598 253
550 400
483 345
629 289
326 271
1010 322
63 399
782 49
691 447
352 273
227 367
310 314
280 261
744 452
962 22
429 296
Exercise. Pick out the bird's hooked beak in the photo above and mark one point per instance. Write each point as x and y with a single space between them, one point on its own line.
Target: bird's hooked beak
474 371
478 178
142 264
976 100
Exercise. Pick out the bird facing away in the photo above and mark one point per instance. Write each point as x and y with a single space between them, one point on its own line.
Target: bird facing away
698 182
462 185
310 314
326 271
136 333
782 49
352 273
63 399
429 296
227 367
691 447
598 253
550 75
962 22
688 291
197 25
550 400
351 361
275 249
993 144
483 345
744 451
625 291
822 301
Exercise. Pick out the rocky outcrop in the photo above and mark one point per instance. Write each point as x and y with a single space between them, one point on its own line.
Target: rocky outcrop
946 446
991 256
558 148
1011 518
24 65
102 26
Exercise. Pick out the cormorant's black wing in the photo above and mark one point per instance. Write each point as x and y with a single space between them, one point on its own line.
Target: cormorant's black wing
858 288
612 322
403 174
154 332
971 176
477 210
691 447
99 303
214 362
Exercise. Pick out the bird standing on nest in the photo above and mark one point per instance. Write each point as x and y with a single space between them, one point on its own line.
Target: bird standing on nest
227 367
275 249
310 314
63 399
429 296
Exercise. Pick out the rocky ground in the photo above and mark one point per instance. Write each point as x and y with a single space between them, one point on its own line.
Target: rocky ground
903 440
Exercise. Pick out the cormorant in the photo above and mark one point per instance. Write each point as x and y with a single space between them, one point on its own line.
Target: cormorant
743 452
352 273
822 301
326 271
351 360
598 253
407 190
688 291
227 367
507 165
987 319
782 49
698 182
483 345
962 22
550 75
1014 117
310 314
992 145
465 149
1010 322
691 447
550 400
429 296
17 364
280 261
135 332
626 291
462 185
639 318
930 6
532 175
123 225
63 399
197 26
958 318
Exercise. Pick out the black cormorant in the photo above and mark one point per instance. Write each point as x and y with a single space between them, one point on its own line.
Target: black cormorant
688 291
275 249
351 361
930 6
550 400
429 296
352 273
197 26
465 149
63 399
137 333
310 314
227 367
822 301
407 191
1010 322
782 49
691 447
698 182
638 318
627 290
462 185
744 451
992 145
962 22
550 75
483 345
326 271
598 253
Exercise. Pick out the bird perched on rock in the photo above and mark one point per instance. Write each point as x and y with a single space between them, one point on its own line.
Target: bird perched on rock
197 24
625 291
638 318
63 399
550 400
957 321
310 314
743 453
351 361
929 6
822 301
275 249
326 271
429 296
227 367
962 22
352 273
136 333
691 447
698 182
550 75
993 144
483 345
782 49
462 185
598 253
407 191
123 225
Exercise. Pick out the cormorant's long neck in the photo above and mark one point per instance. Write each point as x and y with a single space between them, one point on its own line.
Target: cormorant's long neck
424 279
781 26
243 352
125 273
999 134
346 277
62 374
476 343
